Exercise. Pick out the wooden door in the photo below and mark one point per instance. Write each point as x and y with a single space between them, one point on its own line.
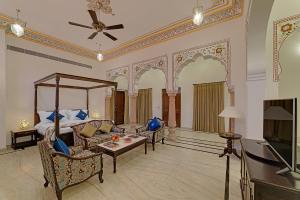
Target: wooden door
165 107
178 108
119 107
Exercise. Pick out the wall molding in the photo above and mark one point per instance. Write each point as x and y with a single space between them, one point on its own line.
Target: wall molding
256 76
46 56
219 50
222 11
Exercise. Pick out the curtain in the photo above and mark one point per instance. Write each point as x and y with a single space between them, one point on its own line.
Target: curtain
208 104
112 104
126 108
144 105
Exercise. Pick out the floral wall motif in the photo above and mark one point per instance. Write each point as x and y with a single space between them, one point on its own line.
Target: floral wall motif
283 28
138 69
219 51
112 74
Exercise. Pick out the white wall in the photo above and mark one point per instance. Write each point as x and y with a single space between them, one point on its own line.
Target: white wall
122 82
200 71
156 80
23 70
2 89
233 30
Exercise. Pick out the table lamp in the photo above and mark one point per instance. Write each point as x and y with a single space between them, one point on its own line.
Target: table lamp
230 112
24 124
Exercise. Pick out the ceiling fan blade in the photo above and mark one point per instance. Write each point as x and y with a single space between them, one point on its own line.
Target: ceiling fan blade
93 35
94 16
118 26
110 36
81 25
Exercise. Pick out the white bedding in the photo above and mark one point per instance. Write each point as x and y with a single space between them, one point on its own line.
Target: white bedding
65 126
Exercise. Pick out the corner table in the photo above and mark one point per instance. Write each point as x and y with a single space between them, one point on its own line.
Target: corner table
230 149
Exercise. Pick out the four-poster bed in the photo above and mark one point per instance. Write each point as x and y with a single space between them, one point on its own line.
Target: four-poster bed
58 77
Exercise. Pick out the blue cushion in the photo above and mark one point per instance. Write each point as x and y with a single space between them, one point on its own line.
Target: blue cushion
154 124
52 116
60 146
81 115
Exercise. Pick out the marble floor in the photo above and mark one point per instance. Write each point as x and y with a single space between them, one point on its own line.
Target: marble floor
168 173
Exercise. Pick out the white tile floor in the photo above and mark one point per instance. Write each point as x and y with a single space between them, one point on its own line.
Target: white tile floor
168 173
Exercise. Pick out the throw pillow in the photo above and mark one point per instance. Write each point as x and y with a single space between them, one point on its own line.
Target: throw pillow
60 146
81 115
52 116
88 130
105 128
154 124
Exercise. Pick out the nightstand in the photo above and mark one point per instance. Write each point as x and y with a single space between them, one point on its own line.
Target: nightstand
23 133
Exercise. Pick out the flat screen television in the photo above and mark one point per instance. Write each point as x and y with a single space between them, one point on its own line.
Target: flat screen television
280 130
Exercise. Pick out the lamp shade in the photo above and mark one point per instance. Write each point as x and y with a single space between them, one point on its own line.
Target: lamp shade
230 112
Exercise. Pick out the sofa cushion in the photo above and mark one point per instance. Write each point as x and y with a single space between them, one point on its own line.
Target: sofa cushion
60 146
88 130
105 128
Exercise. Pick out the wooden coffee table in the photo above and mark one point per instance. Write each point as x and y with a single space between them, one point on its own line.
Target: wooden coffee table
114 149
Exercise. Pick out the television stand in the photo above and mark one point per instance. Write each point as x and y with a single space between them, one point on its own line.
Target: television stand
259 178
283 171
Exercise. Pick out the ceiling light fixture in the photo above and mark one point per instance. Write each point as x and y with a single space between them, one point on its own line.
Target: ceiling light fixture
100 56
198 14
17 27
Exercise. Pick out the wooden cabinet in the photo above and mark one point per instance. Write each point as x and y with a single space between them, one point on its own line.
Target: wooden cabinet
259 180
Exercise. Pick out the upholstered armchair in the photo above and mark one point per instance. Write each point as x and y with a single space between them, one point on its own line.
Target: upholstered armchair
90 143
153 136
63 171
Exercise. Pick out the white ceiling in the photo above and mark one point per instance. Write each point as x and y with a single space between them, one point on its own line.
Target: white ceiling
138 16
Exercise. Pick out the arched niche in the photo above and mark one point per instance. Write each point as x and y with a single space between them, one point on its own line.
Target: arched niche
219 51
201 70
119 75
158 63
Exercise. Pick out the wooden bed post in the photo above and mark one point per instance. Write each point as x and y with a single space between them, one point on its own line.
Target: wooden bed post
87 102
57 106
35 105
114 111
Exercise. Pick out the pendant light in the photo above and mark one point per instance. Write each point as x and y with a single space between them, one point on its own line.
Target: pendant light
17 27
100 56
198 14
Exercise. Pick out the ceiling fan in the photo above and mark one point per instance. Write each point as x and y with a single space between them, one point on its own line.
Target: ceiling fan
98 26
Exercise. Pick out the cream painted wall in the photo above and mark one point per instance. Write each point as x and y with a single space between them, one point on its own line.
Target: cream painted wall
200 71
156 80
2 89
234 30
23 70
122 82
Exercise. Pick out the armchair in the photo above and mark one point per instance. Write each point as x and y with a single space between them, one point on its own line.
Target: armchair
63 171
90 143
152 136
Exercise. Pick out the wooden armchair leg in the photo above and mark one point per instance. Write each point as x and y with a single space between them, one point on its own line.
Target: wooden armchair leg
59 195
153 146
100 176
46 182
163 140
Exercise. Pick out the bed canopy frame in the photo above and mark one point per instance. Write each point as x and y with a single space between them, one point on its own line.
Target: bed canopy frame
57 77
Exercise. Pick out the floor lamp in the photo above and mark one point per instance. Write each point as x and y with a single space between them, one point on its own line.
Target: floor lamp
230 112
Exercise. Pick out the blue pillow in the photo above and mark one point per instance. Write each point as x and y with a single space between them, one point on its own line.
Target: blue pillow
81 115
154 124
52 116
60 146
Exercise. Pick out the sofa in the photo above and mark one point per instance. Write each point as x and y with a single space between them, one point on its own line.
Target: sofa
152 136
63 171
91 142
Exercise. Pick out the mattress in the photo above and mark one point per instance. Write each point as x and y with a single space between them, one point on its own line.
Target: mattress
65 127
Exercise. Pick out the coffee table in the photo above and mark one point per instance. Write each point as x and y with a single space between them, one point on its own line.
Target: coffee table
114 149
